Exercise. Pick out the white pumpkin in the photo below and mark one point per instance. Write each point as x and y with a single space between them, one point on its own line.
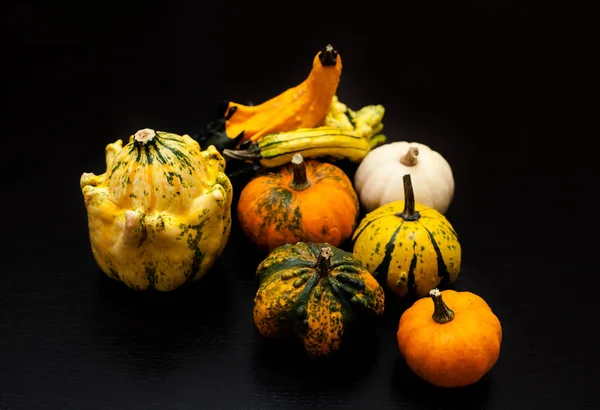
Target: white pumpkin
378 178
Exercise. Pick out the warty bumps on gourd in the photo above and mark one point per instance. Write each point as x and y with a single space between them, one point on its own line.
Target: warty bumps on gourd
161 213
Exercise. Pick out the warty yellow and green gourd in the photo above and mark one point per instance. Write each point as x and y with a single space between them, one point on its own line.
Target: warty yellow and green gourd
161 213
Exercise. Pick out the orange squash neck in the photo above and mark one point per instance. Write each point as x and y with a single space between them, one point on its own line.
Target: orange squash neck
324 76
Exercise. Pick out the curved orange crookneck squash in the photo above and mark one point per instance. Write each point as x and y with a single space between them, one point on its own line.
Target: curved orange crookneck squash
303 106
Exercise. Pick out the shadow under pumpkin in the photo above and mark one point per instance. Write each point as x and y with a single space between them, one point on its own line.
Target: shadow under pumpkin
408 387
151 328
281 362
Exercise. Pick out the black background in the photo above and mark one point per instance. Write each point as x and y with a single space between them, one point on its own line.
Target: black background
462 79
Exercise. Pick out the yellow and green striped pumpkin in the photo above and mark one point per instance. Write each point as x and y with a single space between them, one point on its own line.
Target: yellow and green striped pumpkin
409 247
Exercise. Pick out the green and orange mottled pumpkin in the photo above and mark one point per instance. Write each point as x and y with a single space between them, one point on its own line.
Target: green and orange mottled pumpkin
313 291
310 201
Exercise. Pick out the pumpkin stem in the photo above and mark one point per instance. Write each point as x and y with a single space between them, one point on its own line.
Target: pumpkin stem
441 312
409 213
410 158
328 56
300 181
144 136
323 261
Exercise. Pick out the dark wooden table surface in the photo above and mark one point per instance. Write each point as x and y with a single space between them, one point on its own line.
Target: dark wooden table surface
460 81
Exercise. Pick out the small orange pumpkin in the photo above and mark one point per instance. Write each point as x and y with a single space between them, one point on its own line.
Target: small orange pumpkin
308 201
450 345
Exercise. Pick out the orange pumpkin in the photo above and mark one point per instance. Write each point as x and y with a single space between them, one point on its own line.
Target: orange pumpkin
450 345
308 201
